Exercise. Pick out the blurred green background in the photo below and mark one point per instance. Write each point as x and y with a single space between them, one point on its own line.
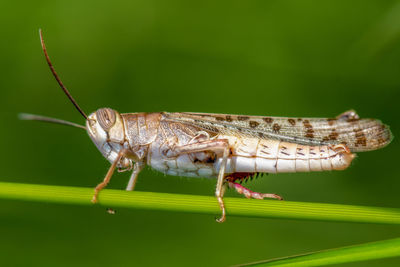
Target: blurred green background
278 58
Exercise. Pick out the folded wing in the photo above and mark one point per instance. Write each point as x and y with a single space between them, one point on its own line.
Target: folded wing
348 129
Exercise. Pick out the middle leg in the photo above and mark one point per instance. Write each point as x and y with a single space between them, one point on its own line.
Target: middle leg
136 170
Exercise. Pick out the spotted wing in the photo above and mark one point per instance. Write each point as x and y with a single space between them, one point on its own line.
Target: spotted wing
357 134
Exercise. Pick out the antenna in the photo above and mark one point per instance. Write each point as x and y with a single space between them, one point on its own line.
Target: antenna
58 78
32 117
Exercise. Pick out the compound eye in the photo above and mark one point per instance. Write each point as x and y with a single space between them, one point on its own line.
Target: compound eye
106 118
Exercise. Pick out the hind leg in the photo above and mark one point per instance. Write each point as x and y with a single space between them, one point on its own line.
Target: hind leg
251 194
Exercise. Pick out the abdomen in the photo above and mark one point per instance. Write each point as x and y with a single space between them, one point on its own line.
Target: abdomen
273 156
250 155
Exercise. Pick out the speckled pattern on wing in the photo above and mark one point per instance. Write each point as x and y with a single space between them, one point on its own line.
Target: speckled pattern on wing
348 129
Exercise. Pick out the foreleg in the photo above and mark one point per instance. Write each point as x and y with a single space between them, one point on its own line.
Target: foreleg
108 176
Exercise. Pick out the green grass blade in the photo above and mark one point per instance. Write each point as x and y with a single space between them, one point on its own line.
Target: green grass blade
362 252
201 204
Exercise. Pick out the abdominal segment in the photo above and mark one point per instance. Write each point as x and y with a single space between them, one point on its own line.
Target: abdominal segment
274 156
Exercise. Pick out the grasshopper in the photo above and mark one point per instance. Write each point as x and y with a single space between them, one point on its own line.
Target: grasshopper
231 148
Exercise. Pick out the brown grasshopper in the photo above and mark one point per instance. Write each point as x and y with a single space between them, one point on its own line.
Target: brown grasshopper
231 148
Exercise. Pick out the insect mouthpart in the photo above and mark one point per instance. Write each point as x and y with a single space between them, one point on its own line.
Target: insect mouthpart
96 132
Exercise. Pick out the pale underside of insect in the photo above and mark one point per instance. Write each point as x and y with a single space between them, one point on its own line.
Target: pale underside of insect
230 148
